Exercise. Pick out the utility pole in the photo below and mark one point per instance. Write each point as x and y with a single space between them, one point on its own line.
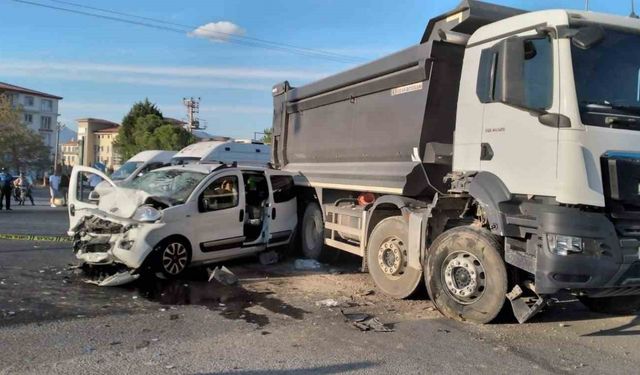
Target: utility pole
633 10
193 108
59 127
586 5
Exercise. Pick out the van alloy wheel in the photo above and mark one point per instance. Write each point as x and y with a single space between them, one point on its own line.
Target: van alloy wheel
175 258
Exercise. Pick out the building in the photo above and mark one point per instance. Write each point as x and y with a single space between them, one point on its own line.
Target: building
95 142
39 110
70 153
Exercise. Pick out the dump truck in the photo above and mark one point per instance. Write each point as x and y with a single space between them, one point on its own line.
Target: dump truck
497 161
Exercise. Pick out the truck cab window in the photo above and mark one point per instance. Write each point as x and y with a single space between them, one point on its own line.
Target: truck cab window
538 73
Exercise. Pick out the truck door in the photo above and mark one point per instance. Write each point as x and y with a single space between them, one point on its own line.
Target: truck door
516 146
80 195
283 215
217 226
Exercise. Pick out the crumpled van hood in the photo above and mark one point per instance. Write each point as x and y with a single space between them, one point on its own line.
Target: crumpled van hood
121 202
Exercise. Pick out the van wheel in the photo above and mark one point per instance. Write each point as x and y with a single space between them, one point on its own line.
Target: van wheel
620 305
173 257
387 259
312 234
466 276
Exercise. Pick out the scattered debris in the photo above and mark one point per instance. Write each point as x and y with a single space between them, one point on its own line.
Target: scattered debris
174 317
335 271
11 313
563 325
365 292
89 350
365 322
223 275
116 279
442 330
264 333
430 308
113 343
169 367
143 344
307 264
328 303
162 309
161 276
268 257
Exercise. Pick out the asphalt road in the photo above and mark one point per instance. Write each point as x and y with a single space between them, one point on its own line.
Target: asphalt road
52 322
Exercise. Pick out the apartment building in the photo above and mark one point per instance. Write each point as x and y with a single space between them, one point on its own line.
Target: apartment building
39 110
70 153
95 142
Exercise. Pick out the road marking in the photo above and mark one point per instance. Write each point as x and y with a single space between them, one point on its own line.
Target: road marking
32 237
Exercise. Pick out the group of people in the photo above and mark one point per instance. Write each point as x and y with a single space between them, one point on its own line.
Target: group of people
19 187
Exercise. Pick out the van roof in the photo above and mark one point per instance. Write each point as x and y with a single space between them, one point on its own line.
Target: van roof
149 155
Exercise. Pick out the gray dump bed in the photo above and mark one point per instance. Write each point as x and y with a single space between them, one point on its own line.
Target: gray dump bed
356 130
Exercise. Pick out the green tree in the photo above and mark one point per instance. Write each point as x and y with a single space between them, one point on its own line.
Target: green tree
152 133
125 142
266 138
20 147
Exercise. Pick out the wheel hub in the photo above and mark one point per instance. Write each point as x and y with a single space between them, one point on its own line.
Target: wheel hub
391 256
174 258
464 277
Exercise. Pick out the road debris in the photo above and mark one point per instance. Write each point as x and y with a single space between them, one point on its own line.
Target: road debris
307 264
365 322
328 303
174 317
143 344
365 292
268 257
223 275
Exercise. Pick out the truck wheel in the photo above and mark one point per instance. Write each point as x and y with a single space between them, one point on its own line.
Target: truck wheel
387 259
621 305
466 276
312 233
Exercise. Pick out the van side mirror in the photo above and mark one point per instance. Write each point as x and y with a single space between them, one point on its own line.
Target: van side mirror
501 73
94 196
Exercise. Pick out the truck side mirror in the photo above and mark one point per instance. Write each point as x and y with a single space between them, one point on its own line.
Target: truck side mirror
588 37
501 73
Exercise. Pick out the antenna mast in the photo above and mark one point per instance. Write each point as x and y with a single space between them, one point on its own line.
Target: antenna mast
193 107
633 10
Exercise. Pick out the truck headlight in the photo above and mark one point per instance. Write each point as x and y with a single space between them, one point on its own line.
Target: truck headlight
564 245
147 214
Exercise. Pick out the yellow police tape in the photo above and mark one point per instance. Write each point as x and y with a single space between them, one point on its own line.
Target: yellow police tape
34 237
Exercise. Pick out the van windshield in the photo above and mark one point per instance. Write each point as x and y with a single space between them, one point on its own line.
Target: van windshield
174 185
126 170
607 77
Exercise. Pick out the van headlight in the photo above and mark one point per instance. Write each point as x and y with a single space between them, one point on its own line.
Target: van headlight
147 214
564 245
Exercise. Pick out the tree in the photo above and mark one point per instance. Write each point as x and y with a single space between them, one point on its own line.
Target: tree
20 147
152 133
266 138
125 142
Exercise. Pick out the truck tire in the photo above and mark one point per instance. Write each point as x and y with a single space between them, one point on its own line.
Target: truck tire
387 258
466 276
620 305
312 233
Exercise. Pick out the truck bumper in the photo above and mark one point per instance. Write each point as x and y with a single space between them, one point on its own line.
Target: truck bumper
608 265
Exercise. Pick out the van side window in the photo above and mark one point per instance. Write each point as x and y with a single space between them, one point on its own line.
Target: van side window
220 194
283 189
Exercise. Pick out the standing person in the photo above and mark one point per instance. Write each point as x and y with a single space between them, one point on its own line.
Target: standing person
54 186
5 188
23 182
64 187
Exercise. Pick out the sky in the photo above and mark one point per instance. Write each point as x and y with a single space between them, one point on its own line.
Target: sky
102 67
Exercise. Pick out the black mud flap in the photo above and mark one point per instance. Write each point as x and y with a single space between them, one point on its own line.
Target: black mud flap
525 307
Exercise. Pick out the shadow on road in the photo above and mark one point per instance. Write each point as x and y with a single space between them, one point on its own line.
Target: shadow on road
623 330
329 369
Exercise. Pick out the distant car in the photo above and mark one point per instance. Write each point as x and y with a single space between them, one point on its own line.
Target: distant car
244 152
174 217
141 163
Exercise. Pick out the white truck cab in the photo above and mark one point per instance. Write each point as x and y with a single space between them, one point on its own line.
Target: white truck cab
174 217
227 151
142 163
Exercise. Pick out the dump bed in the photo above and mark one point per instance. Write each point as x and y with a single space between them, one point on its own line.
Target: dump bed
357 130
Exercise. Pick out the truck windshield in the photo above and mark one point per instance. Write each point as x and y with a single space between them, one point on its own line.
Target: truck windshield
173 185
607 77
126 170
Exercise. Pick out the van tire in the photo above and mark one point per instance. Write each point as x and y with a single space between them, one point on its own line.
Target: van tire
466 276
172 257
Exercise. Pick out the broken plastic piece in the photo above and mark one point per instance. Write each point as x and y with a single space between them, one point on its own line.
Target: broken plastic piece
307 264
223 275
117 279
365 322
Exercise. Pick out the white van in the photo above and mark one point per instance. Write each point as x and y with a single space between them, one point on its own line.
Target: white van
142 163
243 152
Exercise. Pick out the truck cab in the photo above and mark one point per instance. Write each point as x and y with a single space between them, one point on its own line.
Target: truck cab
175 217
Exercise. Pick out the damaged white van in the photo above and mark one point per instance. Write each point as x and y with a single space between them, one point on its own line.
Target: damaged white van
171 218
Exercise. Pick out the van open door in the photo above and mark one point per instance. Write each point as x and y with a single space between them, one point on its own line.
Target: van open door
284 214
85 186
